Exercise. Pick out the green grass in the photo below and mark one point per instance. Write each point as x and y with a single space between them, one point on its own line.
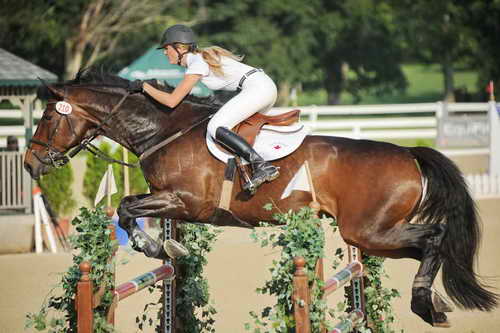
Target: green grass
425 84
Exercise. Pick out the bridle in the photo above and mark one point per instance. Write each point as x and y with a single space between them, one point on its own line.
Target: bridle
58 158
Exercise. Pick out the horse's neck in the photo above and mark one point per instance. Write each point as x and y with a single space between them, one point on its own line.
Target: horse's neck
142 129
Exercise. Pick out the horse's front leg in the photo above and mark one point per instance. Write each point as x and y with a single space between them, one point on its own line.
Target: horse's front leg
162 205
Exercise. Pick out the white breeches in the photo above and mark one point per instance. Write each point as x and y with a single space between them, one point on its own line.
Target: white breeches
259 94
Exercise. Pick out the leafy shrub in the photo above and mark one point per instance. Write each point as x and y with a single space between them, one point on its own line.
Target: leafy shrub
93 242
96 167
56 186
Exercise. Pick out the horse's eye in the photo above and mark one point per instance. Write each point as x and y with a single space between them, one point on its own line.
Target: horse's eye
46 116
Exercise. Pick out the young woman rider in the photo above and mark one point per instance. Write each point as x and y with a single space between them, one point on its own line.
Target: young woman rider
219 69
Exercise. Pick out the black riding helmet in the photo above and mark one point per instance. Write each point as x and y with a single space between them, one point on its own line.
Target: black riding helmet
178 33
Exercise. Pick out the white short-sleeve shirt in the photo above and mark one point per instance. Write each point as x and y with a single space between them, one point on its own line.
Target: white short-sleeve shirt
233 72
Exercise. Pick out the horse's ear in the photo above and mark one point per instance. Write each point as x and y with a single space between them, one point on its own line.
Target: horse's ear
46 91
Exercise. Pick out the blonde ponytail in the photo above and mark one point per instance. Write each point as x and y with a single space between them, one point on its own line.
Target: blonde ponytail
212 55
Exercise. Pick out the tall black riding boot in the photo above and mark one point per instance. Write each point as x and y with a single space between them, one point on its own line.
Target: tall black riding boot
262 170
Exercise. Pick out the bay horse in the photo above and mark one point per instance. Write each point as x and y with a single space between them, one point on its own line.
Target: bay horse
372 189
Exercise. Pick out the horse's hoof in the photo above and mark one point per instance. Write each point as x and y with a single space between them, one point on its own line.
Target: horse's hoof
439 320
174 249
441 303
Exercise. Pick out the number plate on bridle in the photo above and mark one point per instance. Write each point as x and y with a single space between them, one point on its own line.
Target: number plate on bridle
63 107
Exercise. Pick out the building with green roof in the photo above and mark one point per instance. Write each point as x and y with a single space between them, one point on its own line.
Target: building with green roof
19 80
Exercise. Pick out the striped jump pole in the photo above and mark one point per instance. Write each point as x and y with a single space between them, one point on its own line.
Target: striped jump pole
353 273
354 269
86 301
142 281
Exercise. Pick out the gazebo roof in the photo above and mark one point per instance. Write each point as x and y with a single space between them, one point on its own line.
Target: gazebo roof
15 71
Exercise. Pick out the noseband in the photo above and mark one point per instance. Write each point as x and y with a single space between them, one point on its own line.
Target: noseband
57 158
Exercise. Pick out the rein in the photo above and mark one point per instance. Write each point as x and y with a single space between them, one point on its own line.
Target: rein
171 138
59 159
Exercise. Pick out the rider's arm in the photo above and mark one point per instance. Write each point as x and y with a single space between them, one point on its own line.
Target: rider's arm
172 99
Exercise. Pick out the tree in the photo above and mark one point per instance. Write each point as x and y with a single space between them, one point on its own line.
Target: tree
359 48
318 41
96 27
266 32
480 18
70 34
435 34
56 186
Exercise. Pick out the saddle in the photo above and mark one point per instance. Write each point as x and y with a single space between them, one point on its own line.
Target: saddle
250 128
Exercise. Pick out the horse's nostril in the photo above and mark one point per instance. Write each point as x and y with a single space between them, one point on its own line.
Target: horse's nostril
28 168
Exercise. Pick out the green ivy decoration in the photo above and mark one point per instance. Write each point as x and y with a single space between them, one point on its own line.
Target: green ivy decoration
56 186
379 311
300 235
193 311
92 240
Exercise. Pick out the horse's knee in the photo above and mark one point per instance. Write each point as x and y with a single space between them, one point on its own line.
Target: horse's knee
124 207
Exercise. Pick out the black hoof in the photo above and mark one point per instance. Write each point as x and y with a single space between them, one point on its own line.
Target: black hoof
421 305
441 303
142 242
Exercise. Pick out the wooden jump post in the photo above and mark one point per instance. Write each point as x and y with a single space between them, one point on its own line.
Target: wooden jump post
353 272
86 300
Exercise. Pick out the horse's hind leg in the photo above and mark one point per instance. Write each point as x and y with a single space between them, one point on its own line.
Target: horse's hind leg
422 295
418 241
146 205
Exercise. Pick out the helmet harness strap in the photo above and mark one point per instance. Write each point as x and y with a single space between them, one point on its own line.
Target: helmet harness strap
181 55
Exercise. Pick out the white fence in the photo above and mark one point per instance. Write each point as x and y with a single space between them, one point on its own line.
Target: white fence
401 121
391 121
15 188
484 186
378 122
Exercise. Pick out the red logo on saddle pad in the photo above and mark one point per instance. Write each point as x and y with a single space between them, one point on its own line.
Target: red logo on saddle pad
278 145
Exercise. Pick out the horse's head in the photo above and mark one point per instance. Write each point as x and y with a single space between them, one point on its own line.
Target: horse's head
77 111
63 125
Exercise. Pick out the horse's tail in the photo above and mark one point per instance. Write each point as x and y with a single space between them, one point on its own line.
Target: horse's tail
448 201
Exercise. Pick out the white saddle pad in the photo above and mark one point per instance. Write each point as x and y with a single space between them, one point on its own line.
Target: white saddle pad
271 143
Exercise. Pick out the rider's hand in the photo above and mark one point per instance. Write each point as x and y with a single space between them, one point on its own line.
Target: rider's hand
135 86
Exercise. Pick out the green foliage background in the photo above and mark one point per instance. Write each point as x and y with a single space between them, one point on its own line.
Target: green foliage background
56 186
308 44
96 167
92 243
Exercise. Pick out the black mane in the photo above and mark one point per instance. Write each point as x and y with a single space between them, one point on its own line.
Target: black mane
98 77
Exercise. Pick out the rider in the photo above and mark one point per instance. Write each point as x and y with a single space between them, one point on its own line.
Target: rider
219 69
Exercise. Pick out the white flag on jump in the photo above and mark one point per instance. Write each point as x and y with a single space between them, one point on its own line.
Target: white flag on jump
107 184
299 182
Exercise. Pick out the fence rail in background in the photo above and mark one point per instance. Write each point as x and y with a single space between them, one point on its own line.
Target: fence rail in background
388 121
376 122
17 114
14 182
484 186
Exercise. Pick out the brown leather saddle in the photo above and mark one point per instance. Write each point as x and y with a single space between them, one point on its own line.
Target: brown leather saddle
250 128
